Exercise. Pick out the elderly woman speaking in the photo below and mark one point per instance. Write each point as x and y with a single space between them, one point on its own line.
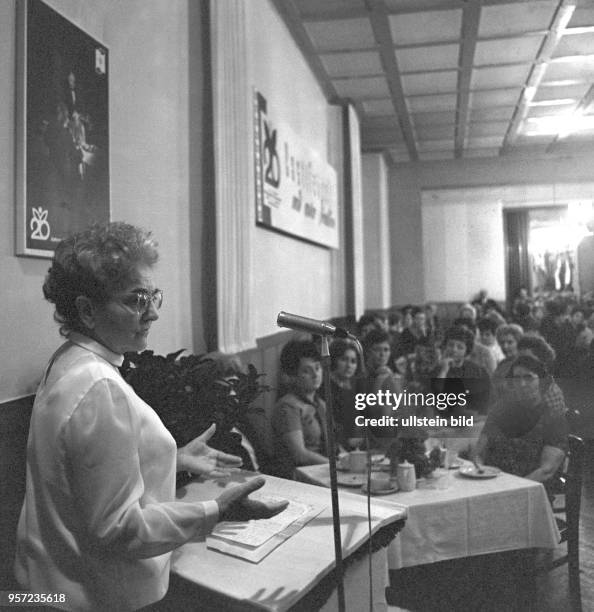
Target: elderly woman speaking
100 520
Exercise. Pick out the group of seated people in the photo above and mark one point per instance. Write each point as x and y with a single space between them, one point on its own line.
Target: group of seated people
506 372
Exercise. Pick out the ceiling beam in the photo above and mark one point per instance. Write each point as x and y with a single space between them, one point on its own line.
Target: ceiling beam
337 11
470 27
561 18
290 15
381 29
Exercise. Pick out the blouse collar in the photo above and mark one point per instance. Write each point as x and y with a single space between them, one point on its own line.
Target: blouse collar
116 359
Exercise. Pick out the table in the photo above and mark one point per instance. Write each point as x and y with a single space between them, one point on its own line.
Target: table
470 517
286 577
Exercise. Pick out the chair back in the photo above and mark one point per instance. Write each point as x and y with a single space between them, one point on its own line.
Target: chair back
573 483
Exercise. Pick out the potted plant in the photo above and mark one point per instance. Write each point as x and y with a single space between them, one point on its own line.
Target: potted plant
191 392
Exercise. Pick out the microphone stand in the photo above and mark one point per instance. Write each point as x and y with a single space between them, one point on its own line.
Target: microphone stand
331 443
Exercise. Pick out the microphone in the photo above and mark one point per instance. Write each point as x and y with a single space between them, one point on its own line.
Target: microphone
312 326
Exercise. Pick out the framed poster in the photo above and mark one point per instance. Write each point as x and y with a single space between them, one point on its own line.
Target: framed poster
296 189
62 129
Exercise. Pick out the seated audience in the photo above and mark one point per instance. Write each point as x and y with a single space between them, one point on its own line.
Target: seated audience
344 366
524 318
460 373
299 416
433 323
480 354
537 347
407 318
365 324
559 333
417 333
493 311
467 311
522 435
377 351
487 329
508 337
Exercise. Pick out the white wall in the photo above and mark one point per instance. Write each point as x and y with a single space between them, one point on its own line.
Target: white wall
512 180
376 243
406 238
463 249
289 274
150 136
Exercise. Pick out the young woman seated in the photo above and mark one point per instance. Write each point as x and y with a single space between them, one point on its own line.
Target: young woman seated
522 435
299 417
377 351
459 373
344 367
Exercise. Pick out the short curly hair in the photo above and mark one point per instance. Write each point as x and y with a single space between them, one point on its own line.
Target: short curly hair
511 329
294 351
461 334
96 263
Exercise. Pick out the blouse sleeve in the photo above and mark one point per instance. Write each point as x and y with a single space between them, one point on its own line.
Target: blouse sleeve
101 445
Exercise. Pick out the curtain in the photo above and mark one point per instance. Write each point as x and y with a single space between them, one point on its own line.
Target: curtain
234 182
517 256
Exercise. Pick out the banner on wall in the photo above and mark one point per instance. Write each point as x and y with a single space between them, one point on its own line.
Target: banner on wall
296 190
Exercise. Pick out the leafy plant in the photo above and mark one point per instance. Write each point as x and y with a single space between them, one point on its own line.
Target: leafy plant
191 392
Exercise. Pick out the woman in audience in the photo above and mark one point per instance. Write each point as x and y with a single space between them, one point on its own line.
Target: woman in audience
537 347
377 351
100 518
344 366
487 329
460 373
299 417
522 435
508 337
479 354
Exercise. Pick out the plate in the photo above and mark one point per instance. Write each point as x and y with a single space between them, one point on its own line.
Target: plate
456 464
381 492
470 471
346 479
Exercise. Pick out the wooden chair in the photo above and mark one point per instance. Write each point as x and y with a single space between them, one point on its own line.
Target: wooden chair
569 527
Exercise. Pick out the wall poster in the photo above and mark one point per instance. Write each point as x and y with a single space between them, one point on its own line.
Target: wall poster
296 190
62 123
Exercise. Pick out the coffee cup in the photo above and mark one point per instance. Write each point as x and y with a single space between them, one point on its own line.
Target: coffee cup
357 461
451 459
380 481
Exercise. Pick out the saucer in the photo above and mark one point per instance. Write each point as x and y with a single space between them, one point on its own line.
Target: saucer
381 491
348 479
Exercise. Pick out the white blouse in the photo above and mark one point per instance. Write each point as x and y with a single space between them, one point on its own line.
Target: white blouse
100 520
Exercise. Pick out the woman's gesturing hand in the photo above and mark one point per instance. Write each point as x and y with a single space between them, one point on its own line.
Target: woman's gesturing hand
199 458
234 504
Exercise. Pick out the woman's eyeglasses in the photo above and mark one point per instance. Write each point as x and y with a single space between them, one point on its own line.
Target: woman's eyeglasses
140 301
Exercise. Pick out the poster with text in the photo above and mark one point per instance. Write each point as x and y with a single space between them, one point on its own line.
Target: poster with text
296 189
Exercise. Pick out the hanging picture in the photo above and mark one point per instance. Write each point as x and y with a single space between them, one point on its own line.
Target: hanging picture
62 129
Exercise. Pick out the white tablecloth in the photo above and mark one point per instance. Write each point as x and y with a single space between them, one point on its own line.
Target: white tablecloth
469 517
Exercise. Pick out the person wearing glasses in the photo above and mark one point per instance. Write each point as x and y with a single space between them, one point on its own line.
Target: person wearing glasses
99 518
